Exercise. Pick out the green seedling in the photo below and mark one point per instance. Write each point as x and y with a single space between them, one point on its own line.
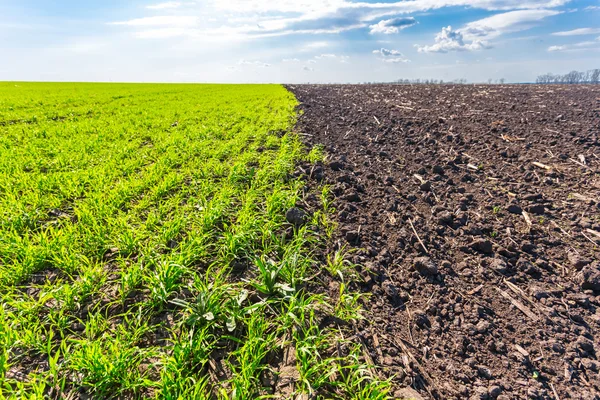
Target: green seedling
268 279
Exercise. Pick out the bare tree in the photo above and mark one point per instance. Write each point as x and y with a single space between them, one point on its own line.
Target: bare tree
573 77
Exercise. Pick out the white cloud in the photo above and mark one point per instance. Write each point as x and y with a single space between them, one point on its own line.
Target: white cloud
587 45
165 6
556 48
496 25
386 52
290 60
476 34
580 31
325 56
449 40
391 56
391 26
592 8
321 7
308 69
396 60
254 19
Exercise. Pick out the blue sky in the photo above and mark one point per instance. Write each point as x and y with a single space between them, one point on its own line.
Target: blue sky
295 40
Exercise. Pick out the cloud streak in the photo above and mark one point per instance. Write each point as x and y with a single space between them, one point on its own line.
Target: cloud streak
587 45
499 24
391 26
578 32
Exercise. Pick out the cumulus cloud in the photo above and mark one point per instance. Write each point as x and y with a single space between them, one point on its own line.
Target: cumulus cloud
577 32
390 26
386 52
391 56
448 40
476 35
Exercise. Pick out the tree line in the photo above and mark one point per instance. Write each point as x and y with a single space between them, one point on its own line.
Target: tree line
429 81
573 77
462 81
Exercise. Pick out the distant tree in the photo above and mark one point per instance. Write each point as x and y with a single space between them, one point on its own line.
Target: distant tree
502 80
573 77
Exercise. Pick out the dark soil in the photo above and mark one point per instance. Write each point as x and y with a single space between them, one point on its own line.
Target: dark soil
483 266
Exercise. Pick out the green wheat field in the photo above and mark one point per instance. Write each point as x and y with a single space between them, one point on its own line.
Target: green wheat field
145 252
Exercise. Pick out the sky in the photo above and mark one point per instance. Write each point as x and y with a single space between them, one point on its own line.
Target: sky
295 41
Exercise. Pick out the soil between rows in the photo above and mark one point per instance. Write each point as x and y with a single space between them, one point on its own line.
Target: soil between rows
475 213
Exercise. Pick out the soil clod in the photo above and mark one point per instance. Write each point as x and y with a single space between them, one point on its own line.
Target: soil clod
296 216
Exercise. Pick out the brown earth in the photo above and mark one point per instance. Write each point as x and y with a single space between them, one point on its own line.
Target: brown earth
483 266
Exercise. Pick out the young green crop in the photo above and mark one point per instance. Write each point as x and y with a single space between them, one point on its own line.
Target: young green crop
143 250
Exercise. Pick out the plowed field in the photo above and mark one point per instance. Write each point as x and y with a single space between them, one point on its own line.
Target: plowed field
474 211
